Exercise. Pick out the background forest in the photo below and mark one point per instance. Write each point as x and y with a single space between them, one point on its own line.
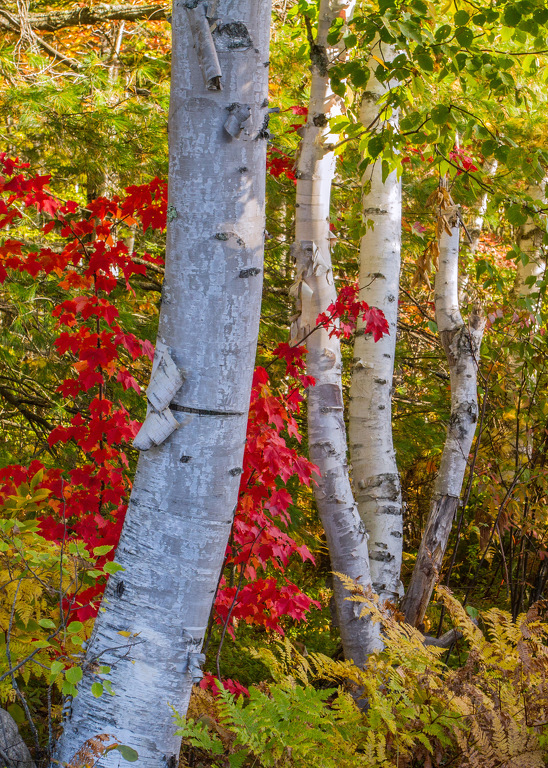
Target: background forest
83 209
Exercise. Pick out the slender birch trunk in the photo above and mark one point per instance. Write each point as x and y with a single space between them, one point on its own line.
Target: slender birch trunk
374 470
475 227
461 342
314 290
192 441
530 242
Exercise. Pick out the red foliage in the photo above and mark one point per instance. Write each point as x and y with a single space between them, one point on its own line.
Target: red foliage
211 683
89 501
341 316
278 163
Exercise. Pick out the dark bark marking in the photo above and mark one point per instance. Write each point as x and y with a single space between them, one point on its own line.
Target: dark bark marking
203 411
233 36
250 272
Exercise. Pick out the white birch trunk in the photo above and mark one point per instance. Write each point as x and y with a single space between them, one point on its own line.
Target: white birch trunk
530 242
185 490
374 470
314 290
475 227
461 343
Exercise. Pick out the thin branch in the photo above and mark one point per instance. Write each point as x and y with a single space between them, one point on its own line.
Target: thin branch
90 15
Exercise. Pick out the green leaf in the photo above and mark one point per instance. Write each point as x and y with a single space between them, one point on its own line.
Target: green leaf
375 146
488 147
472 612
425 62
113 568
99 551
350 41
516 215
461 18
41 643
67 689
439 114
56 667
74 627
97 690
74 675
128 753
47 623
512 16
443 32
464 36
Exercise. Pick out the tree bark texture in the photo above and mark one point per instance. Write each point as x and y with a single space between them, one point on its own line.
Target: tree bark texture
185 490
374 470
314 291
461 342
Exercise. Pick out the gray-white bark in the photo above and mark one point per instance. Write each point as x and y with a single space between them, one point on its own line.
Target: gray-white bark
461 342
314 290
374 470
185 489
14 752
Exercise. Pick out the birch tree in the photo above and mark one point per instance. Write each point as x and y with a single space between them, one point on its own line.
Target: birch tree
374 470
192 441
530 243
461 343
315 290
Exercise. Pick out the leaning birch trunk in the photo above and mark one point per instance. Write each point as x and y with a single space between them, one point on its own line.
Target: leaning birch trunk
314 290
192 441
374 470
461 342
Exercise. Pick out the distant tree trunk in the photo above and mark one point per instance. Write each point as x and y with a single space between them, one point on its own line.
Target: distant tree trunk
475 228
530 238
374 470
315 291
186 486
461 342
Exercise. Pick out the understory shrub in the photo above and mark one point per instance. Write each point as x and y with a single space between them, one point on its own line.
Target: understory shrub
406 708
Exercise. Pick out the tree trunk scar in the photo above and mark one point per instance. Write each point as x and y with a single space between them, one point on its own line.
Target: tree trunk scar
203 411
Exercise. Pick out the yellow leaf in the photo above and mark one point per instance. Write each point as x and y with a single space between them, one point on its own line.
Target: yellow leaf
380 62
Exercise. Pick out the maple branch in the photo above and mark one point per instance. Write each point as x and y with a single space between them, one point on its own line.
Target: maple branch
76 17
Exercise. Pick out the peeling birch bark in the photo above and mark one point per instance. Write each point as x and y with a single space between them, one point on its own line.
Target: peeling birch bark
165 381
185 490
314 291
374 470
461 342
203 43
